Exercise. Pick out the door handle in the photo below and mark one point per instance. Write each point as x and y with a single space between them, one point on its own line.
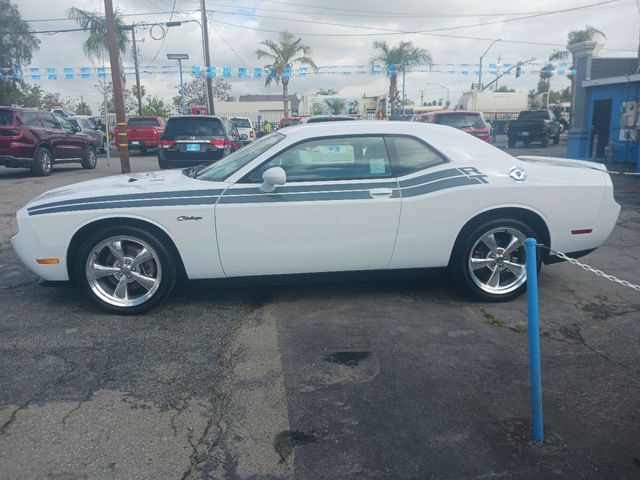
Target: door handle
380 192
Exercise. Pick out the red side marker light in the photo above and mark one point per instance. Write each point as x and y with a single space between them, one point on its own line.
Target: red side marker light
581 231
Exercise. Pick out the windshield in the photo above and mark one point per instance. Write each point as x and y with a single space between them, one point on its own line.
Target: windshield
143 122
533 115
241 122
218 171
193 127
461 120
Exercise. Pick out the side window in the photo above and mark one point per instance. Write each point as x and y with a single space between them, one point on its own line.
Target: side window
348 158
47 121
29 118
410 155
64 125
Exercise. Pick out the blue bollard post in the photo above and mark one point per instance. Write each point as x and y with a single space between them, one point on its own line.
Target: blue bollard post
534 340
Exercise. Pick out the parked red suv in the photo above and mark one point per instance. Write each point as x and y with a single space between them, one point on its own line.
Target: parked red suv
470 122
143 133
35 139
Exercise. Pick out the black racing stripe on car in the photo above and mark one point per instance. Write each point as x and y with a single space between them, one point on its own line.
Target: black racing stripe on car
128 196
431 177
314 188
295 197
161 202
441 185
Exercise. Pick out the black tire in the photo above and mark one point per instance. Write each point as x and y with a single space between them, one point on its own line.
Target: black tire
459 266
556 139
90 159
512 142
103 148
42 162
545 141
162 251
163 164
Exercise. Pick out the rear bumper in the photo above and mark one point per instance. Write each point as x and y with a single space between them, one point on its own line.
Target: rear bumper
143 144
11 161
189 158
527 135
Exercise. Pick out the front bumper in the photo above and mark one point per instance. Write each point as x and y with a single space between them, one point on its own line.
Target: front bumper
16 162
30 247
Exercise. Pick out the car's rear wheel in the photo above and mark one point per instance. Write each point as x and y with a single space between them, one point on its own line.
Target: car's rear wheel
512 142
125 270
556 139
545 140
103 148
490 260
42 162
90 159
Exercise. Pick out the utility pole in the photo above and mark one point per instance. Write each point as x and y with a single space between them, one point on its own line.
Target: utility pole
421 98
404 77
116 78
497 74
137 68
207 60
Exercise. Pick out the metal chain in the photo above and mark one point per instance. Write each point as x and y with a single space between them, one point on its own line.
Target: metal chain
588 268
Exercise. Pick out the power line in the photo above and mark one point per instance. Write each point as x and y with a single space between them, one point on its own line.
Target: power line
164 37
142 14
378 12
442 29
401 32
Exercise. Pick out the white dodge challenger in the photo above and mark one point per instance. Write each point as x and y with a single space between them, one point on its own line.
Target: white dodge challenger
329 197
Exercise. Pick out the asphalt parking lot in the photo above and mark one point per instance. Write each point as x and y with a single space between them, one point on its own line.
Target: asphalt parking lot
367 378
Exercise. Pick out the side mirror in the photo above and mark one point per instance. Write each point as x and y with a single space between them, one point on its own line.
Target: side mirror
76 128
243 137
272 177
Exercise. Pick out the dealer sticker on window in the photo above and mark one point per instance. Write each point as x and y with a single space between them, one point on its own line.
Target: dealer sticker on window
377 165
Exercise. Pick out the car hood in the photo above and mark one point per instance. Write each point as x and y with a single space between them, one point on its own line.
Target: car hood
562 162
133 183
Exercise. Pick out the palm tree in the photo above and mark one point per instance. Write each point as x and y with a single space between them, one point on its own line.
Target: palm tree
96 25
396 59
589 33
283 55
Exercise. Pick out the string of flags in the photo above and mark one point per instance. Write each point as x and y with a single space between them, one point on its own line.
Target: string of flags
465 69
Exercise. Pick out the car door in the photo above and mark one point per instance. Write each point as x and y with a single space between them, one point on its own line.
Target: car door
338 211
54 134
74 142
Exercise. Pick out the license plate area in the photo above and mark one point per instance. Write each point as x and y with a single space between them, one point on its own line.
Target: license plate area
193 147
524 134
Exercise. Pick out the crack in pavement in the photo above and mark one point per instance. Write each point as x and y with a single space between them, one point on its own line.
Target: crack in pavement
5 426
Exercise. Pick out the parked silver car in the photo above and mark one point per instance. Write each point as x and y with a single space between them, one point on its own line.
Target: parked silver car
88 126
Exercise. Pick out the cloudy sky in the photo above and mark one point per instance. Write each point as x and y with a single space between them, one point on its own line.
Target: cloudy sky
340 33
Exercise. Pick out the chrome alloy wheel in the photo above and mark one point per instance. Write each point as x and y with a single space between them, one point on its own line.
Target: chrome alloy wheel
497 262
45 162
123 271
91 157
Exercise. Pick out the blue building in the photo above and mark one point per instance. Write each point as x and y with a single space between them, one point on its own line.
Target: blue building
606 96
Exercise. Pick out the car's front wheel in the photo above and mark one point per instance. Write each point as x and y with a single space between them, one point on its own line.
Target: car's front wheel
490 260
125 270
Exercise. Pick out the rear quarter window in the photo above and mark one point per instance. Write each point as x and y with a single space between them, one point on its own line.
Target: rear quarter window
409 155
29 118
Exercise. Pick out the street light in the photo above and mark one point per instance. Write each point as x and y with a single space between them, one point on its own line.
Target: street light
439 85
179 57
481 57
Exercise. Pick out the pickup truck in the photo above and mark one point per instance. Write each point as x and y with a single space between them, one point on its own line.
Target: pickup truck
534 126
143 133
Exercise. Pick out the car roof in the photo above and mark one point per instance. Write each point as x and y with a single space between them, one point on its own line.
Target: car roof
453 143
454 112
193 116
